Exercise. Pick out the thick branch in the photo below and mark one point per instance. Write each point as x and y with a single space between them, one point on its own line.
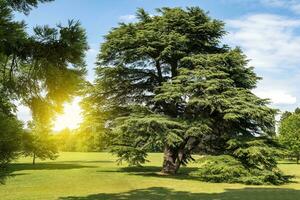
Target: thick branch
159 72
174 67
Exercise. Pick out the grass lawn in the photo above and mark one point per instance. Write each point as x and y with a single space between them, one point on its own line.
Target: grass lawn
96 176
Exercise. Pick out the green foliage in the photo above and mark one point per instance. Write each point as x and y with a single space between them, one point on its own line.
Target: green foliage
220 169
24 5
79 140
39 144
228 169
48 65
256 153
11 131
289 134
42 70
285 115
65 140
249 161
141 131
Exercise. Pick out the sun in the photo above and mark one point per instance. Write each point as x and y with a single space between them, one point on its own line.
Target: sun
71 117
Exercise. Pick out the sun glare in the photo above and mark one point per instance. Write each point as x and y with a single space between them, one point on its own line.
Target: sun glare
71 117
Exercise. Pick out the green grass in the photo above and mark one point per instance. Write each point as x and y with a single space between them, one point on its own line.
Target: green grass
96 176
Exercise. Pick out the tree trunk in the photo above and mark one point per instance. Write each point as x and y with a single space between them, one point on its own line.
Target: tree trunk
159 72
171 163
33 160
298 157
174 69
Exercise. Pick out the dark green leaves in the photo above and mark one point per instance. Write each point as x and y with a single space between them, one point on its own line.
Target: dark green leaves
11 130
289 134
24 5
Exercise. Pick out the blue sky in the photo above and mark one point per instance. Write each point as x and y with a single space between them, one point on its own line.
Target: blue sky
267 30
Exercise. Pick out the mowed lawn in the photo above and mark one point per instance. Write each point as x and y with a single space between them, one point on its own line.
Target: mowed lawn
96 176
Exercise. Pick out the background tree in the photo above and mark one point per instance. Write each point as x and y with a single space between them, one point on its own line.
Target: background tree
11 131
47 65
285 115
289 135
80 140
92 131
167 81
66 140
38 142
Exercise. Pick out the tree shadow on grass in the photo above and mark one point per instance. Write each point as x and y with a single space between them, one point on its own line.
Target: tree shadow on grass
6 173
148 169
289 163
91 161
162 193
154 171
14 169
144 169
46 166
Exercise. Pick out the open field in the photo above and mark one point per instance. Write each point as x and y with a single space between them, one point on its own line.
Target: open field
96 176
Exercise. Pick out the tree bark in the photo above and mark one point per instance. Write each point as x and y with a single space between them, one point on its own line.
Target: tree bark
174 69
171 161
159 72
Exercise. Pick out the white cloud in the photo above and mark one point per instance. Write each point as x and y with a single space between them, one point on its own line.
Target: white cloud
293 5
277 97
275 3
269 41
127 18
272 43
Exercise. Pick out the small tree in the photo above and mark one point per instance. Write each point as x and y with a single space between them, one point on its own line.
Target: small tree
39 143
66 140
289 134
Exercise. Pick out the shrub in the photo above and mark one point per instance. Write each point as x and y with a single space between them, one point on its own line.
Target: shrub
228 169
220 169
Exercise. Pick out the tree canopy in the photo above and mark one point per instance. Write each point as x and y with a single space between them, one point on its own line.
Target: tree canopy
167 80
289 134
47 65
41 70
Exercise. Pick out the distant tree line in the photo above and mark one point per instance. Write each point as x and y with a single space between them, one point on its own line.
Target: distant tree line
78 141
289 134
